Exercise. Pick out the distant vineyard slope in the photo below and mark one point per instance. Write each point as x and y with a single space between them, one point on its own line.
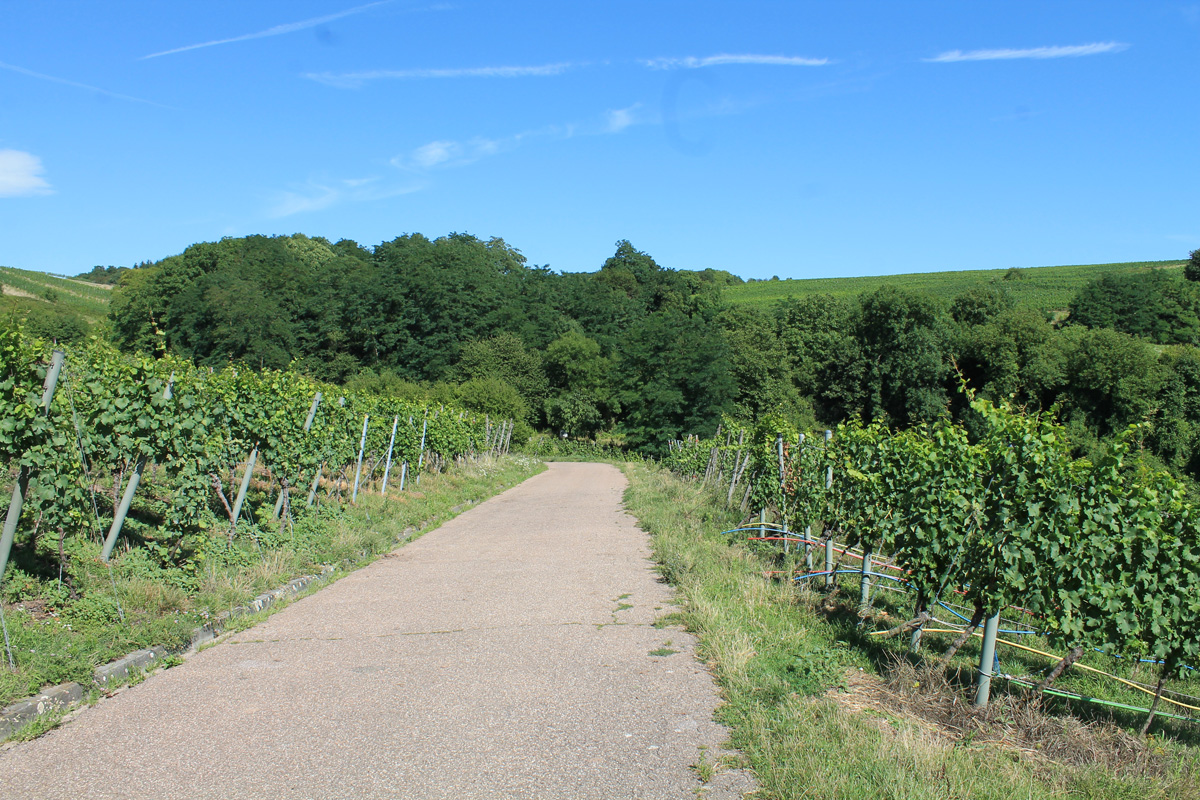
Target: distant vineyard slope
52 307
1046 289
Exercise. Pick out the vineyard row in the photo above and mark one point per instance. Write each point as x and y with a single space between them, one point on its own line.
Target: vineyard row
79 430
1105 552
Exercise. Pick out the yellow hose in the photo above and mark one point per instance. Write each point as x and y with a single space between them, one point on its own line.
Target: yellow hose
1130 684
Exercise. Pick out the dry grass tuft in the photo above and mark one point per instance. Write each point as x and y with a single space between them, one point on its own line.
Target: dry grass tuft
154 597
923 695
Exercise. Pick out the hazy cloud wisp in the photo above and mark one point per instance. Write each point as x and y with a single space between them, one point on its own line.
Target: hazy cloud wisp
21 175
43 77
278 30
353 80
444 153
621 118
318 195
1071 51
721 59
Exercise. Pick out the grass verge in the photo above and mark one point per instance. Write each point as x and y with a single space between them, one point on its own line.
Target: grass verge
801 694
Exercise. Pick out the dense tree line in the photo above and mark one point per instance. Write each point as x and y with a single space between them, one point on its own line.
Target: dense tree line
457 317
655 353
109 275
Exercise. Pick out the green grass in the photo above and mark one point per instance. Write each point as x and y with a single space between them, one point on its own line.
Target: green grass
776 652
38 726
1046 289
57 640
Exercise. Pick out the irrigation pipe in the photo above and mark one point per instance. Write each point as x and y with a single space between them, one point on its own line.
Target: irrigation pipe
1073 696
772 525
1130 684
968 619
808 575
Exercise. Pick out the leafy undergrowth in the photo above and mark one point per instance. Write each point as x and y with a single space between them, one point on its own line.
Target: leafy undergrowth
820 710
59 635
553 448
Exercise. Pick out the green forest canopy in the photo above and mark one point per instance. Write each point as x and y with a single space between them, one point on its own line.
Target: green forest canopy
654 353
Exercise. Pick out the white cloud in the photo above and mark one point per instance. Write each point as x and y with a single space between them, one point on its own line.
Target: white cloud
319 195
1071 51
621 118
353 80
278 30
21 175
444 153
65 82
691 62
435 153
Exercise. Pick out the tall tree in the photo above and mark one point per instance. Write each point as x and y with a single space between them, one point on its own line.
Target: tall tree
675 378
904 338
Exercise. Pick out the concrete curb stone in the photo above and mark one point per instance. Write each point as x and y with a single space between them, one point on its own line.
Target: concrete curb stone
22 712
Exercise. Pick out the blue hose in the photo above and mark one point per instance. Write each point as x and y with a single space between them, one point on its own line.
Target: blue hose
968 619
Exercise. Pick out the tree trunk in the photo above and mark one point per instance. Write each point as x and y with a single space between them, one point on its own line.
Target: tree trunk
1162 678
904 627
216 479
1062 666
914 644
976 618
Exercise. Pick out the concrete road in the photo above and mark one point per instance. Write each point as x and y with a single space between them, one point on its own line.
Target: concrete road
504 655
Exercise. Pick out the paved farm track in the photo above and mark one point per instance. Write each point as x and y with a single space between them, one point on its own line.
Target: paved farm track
504 655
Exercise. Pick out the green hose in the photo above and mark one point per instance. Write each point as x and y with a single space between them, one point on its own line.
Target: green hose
1072 696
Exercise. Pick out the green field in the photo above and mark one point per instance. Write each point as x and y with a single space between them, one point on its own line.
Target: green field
1048 289
37 292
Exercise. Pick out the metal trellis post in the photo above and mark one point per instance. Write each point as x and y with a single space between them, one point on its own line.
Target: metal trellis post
987 659
362 443
391 444
22 488
131 487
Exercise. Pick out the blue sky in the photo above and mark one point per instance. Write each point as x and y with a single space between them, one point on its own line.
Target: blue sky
797 139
